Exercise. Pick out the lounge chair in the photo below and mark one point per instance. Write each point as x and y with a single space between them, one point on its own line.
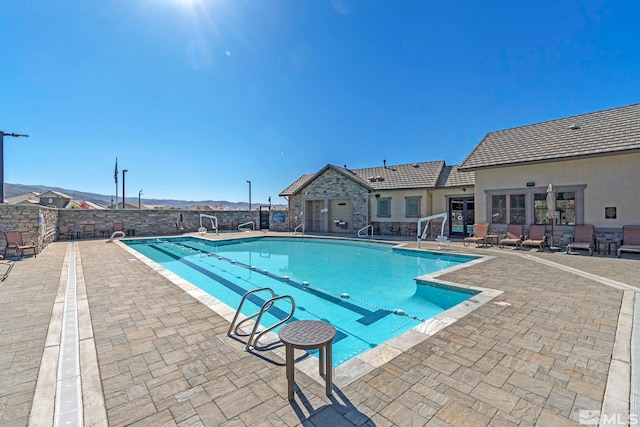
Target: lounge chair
536 237
582 238
15 242
478 237
630 239
412 229
514 236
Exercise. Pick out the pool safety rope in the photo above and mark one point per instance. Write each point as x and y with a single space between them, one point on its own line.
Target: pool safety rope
303 285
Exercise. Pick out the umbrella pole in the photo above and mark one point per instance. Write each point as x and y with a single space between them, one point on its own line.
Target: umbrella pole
553 247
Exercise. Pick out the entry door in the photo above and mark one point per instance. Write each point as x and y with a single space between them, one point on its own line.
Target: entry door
315 216
462 214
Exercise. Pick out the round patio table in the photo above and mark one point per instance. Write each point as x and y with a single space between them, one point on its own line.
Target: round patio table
308 335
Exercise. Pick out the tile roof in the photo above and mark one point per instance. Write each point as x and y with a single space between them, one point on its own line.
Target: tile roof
395 177
603 132
413 175
452 176
297 184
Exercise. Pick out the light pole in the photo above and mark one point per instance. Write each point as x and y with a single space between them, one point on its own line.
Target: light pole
2 135
139 194
123 172
249 194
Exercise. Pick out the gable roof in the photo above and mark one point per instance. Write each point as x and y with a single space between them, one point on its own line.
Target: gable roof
613 131
55 194
296 185
30 197
396 177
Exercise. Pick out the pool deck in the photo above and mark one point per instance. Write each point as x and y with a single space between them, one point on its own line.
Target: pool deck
150 354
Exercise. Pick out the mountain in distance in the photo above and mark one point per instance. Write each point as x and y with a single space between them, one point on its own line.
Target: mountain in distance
11 190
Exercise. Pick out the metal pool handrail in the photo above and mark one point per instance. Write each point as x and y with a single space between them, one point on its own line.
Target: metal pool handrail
364 228
295 230
243 225
251 342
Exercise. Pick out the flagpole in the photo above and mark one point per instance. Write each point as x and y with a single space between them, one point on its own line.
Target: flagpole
115 177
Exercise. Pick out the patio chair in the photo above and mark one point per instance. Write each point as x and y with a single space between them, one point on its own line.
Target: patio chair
89 230
536 237
630 239
514 236
64 233
478 237
15 242
582 238
395 228
412 229
375 228
9 265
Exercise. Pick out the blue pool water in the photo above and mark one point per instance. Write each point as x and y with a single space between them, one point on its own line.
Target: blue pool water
317 273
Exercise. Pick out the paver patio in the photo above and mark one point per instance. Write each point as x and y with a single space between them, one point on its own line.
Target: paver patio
163 357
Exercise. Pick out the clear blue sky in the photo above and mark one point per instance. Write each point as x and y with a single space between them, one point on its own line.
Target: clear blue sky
195 97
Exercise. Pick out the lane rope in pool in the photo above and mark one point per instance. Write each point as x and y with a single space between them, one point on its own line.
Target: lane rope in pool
303 285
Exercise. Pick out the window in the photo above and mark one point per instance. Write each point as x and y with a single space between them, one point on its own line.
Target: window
540 208
499 209
529 205
565 207
384 206
412 208
517 211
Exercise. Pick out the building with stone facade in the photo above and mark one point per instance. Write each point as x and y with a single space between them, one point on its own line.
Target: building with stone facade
342 200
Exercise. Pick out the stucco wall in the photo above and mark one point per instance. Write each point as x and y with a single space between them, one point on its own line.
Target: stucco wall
611 181
432 202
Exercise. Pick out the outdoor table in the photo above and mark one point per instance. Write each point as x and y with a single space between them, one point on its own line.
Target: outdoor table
308 335
491 239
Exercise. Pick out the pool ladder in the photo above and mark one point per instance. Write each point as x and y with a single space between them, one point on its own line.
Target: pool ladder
251 342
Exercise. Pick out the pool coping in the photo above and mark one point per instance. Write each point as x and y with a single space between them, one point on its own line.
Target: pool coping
364 363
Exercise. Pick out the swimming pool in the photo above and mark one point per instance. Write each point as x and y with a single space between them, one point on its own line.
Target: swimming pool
361 288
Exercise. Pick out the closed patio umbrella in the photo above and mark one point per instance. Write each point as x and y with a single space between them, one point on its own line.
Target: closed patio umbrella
552 213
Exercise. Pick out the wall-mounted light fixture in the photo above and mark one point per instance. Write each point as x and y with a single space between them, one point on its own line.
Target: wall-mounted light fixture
531 184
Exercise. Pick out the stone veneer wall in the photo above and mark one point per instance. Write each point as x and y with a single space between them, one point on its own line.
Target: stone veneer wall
331 185
25 219
153 222
145 222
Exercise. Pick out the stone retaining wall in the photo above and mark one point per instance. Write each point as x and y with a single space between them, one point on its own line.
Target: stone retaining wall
144 222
